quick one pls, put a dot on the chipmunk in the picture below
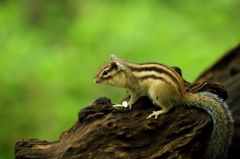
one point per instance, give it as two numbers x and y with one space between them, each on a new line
165 87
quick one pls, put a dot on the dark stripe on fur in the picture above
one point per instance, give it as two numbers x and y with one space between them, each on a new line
154 77
165 66
151 76
156 69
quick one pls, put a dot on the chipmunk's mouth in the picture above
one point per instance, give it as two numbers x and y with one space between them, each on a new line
97 81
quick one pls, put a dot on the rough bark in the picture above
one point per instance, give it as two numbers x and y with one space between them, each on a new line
104 132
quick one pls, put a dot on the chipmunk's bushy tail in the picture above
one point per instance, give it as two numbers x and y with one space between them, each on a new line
222 132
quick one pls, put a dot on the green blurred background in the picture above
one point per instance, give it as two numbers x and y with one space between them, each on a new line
50 52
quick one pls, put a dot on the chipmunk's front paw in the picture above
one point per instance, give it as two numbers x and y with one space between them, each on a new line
124 104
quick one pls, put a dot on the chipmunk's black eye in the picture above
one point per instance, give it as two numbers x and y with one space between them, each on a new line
105 72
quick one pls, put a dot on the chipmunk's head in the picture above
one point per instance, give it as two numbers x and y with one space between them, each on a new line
111 73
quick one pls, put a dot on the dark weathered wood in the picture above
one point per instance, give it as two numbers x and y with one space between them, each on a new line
103 132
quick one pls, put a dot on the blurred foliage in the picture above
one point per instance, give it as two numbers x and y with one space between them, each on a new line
51 50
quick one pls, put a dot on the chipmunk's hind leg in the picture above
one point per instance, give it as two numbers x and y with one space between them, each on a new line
156 113
160 99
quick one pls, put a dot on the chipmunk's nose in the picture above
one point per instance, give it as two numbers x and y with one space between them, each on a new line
96 81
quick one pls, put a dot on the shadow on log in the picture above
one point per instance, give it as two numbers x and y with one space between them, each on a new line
104 132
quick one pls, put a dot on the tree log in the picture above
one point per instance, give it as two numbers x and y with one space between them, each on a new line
104 132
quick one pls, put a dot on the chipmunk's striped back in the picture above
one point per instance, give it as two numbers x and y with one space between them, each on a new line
153 70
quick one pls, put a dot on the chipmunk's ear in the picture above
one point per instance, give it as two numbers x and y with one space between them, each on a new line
116 65
112 57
